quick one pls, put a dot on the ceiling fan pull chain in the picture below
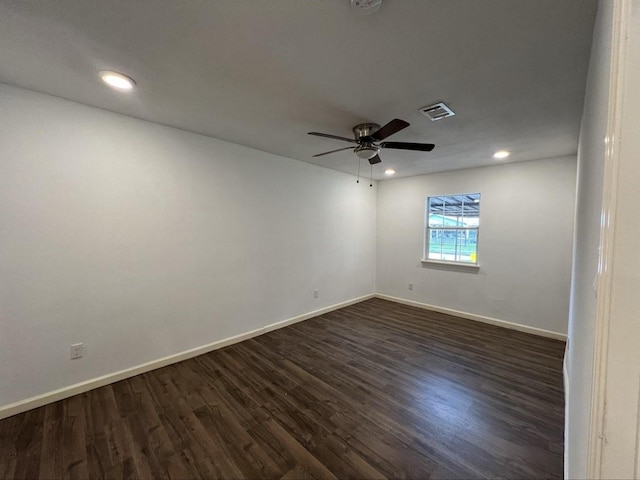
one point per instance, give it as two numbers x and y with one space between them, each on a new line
371 177
359 159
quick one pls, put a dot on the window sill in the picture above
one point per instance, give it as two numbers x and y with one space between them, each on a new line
453 265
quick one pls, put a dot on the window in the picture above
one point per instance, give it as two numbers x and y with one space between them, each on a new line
452 224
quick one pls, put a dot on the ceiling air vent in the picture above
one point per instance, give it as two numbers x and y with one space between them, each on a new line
437 112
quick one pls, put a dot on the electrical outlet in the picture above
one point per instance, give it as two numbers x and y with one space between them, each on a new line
315 294
411 286
77 350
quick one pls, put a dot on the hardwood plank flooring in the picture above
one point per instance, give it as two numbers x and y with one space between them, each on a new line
374 390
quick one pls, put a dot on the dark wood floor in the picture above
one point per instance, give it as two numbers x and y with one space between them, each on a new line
375 390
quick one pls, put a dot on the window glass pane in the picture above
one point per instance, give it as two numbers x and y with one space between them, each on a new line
453 245
436 210
472 209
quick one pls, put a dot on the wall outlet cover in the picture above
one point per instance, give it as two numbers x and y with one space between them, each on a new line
77 350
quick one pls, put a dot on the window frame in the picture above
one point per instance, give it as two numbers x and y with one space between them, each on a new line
428 229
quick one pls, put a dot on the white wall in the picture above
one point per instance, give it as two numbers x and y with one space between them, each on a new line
582 319
525 243
143 241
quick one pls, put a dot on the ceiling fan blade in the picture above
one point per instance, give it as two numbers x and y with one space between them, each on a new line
420 147
374 160
334 151
394 126
318 134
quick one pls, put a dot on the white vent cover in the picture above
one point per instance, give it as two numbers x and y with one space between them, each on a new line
437 111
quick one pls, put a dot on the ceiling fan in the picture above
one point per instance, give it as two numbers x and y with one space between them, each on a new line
369 136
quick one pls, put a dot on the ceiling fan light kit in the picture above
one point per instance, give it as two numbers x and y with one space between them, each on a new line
366 152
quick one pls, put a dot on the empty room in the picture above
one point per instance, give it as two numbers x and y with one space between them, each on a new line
319 239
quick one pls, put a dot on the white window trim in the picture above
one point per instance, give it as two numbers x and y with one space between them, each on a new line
427 240
471 266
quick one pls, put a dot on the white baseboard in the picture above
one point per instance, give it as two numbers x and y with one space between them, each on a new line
479 318
71 390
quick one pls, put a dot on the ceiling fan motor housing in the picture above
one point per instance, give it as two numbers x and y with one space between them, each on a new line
365 130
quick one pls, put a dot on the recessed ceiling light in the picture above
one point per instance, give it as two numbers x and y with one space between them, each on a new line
501 154
117 80
389 171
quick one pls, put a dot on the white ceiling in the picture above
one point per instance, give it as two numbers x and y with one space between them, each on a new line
262 73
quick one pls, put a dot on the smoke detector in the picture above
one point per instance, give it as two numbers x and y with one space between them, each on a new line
437 111
365 7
